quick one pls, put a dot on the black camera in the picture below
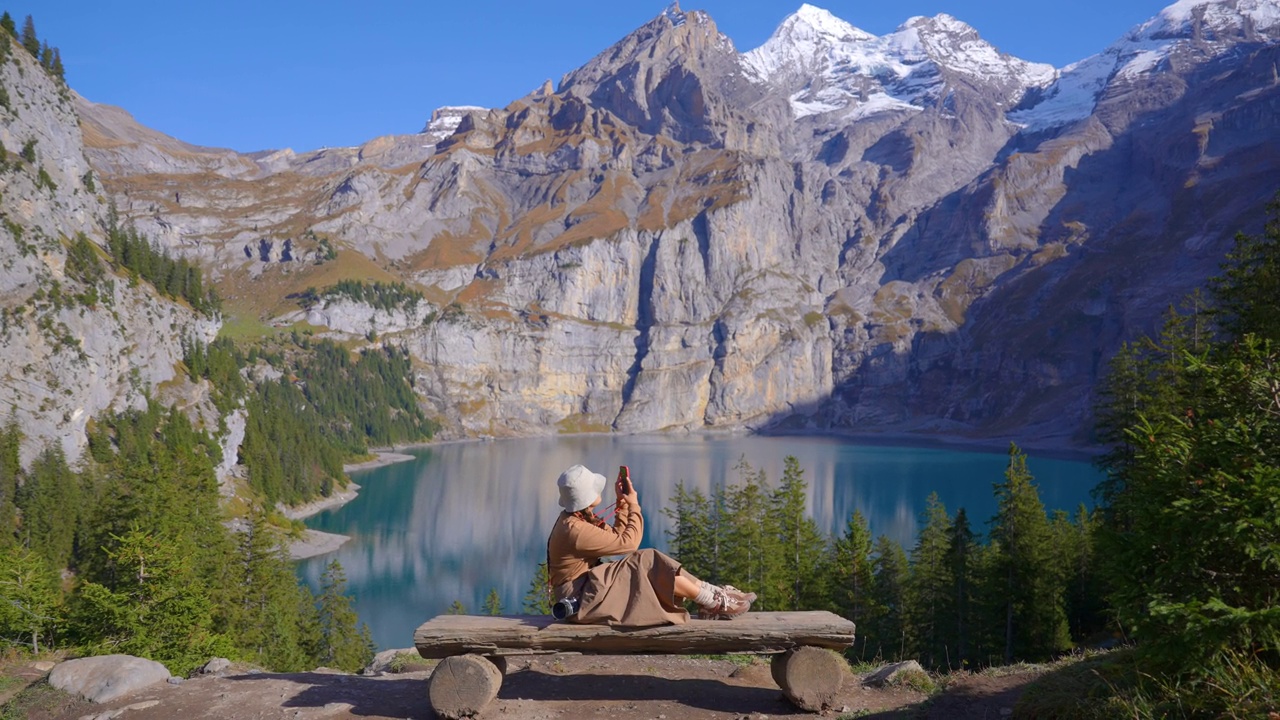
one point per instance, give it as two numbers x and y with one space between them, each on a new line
564 609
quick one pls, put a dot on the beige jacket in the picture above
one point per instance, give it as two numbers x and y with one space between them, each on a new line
575 546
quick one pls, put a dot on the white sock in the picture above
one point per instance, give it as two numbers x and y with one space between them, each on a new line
707 595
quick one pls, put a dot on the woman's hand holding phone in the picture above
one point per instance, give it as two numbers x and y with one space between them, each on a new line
626 490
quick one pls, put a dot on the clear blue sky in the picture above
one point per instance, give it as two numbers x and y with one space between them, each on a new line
252 75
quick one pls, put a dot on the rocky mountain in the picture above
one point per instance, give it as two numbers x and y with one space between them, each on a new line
76 338
912 232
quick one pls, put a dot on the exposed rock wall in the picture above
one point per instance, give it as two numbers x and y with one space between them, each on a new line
70 347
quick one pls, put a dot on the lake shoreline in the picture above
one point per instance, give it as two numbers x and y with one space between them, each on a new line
314 543
1056 448
383 457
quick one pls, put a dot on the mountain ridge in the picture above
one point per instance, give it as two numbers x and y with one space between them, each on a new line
664 242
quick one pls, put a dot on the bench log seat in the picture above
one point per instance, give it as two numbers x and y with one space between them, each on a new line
473 650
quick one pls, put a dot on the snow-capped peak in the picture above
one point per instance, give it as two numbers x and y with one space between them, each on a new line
1204 27
1180 19
445 120
822 22
804 42
674 14
839 66
941 22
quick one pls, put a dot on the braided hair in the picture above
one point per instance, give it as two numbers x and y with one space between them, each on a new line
588 515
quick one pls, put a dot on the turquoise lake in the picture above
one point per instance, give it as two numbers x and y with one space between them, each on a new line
464 518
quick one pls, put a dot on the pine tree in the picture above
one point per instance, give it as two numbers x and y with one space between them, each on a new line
929 589
1244 296
262 617
1186 541
1073 553
1034 620
157 607
10 470
6 22
344 645
694 536
50 501
853 575
537 601
885 626
457 608
493 603
750 547
30 600
29 39
1185 576
800 546
962 564
59 71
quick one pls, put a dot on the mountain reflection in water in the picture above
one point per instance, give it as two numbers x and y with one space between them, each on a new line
465 518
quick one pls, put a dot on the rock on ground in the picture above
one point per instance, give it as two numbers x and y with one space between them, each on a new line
887 674
107 677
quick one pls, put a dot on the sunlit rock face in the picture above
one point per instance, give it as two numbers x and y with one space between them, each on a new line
836 230
72 344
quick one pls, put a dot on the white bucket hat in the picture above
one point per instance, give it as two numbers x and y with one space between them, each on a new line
579 487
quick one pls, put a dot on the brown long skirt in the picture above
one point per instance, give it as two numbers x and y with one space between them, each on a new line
638 590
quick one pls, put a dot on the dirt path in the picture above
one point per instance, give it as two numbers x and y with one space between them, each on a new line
540 688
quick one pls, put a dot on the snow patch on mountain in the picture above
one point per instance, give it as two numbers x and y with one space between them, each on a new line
445 120
674 14
1208 25
833 65
1178 19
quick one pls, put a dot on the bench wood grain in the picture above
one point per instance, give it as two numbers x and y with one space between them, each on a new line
755 632
474 649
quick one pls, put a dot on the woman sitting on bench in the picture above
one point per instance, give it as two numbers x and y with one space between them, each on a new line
642 589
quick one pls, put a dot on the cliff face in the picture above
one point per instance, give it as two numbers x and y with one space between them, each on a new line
910 232
73 341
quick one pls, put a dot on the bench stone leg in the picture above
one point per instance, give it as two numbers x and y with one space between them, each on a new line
810 677
462 685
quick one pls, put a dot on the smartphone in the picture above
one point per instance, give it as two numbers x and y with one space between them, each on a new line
624 479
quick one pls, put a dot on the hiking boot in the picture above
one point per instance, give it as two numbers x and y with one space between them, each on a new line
729 602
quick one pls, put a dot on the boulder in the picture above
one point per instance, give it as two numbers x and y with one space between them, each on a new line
382 661
215 666
889 673
106 677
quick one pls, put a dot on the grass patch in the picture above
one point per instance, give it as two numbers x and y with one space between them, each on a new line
245 327
918 680
1080 687
739 659
1123 684
409 662
580 423
39 698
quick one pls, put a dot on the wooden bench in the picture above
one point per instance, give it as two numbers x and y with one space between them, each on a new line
473 650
